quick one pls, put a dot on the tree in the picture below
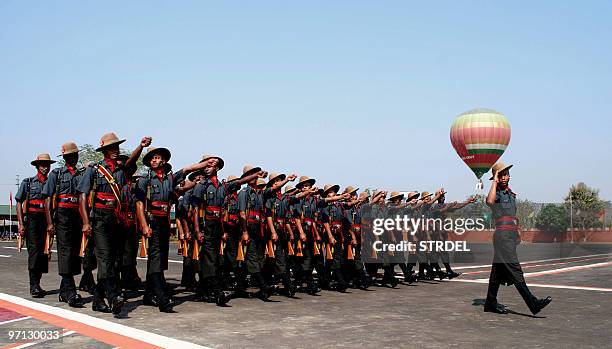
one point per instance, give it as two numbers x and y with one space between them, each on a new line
585 206
526 212
88 154
553 218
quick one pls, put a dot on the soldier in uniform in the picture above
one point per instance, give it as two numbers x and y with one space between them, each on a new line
251 207
506 268
207 201
276 207
63 220
183 214
155 193
233 233
100 190
32 222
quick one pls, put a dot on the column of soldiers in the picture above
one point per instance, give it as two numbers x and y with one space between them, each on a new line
233 233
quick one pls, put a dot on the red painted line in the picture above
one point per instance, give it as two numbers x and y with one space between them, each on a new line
98 334
6 315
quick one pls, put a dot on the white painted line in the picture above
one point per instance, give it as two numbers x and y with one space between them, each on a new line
15 320
144 336
5 256
563 270
169 260
537 261
567 287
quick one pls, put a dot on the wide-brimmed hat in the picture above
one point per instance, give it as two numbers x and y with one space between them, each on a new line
191 177
425 194
499 167
231 178
42 158
330 187
273 176
290 189
220 164
69 148
349 190
396 194
412 195
248 170
364 194
163 152
260 183
109 139
303 180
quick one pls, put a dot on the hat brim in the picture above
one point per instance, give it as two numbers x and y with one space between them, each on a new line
291 191
413 196
70 152
251 171
282 177
502 170
191 177
397 196
334 187
219 165
109 144
165 153
36 162
426 196
312 181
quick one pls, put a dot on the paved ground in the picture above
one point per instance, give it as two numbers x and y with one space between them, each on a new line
433 314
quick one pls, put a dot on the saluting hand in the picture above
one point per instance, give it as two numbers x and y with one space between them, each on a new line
145 141
292 177
262 174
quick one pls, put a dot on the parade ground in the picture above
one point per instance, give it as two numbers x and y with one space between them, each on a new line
425 314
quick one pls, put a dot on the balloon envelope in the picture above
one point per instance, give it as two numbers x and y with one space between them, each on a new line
480 137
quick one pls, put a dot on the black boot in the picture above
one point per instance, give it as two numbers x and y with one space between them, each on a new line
535 305
115 299
450 272
340 282
35 290
98 300
265 291
491 305
388 277
68 292
289 288
408 277
164 303
363 281
87 283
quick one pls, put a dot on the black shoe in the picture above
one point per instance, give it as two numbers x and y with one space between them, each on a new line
312 288
289 291
541 304
37 292
264 292
75 301
241 293
452 275
442 275
222 298
496 308
166 305
150 300
100 306
390 281
117 304
421 277
87 285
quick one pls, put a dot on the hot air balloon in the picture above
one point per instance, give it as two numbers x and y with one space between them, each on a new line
480 137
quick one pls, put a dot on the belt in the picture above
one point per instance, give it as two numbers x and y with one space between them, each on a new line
232 219
159 208
356 227
336 224
308 221
280 222
292 221
254 217
105 201
67 201
36 205
506 221
212 213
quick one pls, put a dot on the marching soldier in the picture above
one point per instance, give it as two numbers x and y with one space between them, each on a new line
155 193
184 214
506 268
250 205
231 228
207 201
32 222
305 215
100 208
63 220
276 212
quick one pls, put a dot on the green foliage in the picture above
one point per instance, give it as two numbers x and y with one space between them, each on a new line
585 205
88 154
553 218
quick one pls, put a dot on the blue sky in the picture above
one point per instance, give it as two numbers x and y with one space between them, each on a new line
359 93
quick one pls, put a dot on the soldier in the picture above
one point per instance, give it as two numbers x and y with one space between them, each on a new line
506 268
100 191
305 215
32 222
155 193
250 205
334 222
63 220
409 212
231 228
424 208
183 215
276 211
207 201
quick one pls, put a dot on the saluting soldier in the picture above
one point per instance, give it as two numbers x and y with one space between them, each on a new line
32 222
155 193
506 268
63 220
100 209
305 215
233 233
207 201
183 214
251 207
276 212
